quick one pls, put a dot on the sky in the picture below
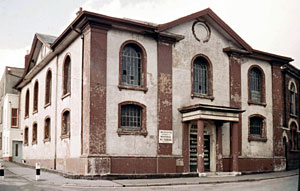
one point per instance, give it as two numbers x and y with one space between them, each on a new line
268 25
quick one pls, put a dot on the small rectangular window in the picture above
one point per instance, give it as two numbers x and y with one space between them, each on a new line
14 117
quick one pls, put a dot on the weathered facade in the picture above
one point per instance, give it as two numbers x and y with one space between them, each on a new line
290 128
117 96
11 133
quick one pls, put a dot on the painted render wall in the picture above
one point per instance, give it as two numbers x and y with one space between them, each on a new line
130 145
256 149
183 53
10 134
66 148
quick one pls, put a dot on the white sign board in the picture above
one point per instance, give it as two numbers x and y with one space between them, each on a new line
165 136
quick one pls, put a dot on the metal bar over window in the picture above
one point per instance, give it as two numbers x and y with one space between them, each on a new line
200 76
131 65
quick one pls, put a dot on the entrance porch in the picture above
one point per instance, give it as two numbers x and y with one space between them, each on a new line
202 138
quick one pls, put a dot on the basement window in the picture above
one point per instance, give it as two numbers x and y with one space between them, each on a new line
132 119
257 128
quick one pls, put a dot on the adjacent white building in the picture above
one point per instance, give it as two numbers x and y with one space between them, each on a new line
11 134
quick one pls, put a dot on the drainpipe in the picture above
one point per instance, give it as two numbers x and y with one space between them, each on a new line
82 67
55 134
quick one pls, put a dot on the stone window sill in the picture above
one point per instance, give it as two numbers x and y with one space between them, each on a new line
34 112
295 151
26 117
259 139
67 136
257 103
202 96
132 132
144 89
25 144
65 95
34 142
47 104
47 140
293 115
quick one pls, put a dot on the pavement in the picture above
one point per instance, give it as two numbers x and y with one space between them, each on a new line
54 179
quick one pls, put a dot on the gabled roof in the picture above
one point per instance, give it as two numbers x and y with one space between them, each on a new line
209 13
46 39
157 31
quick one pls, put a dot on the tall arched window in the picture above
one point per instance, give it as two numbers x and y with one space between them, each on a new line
65 124
48 87
292 99
67 75
201 76
47 129
35 96
27 103
132 65
256 85
34 133
26 136
294 136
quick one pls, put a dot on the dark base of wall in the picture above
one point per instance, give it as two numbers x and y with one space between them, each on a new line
112 165
139 167
293 160
7 159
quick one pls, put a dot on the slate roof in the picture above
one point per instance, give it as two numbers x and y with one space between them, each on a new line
48 39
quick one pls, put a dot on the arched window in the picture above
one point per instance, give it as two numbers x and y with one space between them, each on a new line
26 136
47 129
292 99
257 128
48 87
131 65
256 85
27 103
34 133
132 118
200 76
35 96
294 136
65 124
67 75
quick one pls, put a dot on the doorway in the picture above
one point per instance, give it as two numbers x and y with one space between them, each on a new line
17 151
193 150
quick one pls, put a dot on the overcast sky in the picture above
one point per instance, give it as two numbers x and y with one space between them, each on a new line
268 25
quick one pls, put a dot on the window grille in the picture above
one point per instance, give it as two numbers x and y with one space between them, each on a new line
255 85
200 76
131 117
131 65
256 125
